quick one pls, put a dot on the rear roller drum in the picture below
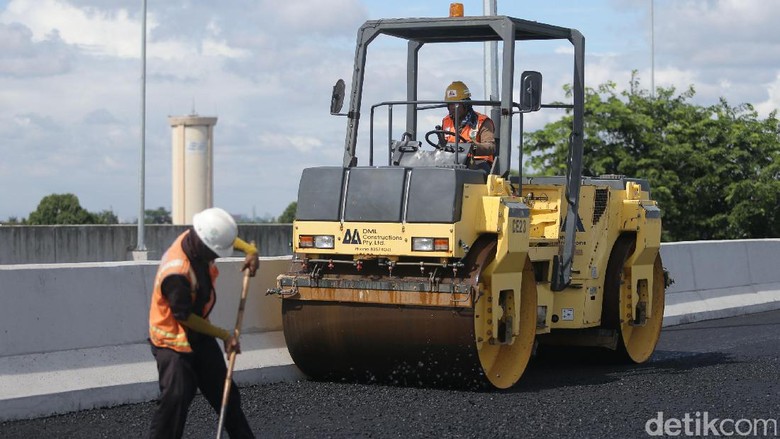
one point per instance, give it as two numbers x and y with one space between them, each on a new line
636 340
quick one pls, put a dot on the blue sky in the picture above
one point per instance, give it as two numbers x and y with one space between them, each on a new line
70 90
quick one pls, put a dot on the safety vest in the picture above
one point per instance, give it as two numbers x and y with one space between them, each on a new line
164 330
467 132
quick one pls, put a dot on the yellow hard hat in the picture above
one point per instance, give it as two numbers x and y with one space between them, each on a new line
457 91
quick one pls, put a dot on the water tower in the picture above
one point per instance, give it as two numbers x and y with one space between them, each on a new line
193 165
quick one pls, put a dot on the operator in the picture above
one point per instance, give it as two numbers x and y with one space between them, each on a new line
183 341
473 127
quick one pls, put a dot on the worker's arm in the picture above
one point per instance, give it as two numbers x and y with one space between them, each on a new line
251 262
177 289
199 324
244 247
487 139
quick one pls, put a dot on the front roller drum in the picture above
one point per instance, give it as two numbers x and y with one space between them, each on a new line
385 343
504 355
439 346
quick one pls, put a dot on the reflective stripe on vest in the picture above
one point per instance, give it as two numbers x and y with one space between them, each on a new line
164 329
170 339
467 132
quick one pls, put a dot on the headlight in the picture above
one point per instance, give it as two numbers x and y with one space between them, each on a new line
430 244
422 244
323 241
315 241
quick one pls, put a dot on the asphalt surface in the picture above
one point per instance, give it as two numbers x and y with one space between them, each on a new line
725 369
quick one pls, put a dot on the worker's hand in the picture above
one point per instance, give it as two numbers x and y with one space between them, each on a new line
442 140
251 263
232 344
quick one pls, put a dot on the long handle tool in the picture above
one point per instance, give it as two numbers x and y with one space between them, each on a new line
232 360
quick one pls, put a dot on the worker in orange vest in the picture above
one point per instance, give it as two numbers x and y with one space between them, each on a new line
473 127
183 341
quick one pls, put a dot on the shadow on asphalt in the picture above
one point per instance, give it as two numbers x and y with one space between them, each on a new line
556 367
563 367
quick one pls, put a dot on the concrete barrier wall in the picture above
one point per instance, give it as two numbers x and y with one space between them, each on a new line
714 279
97 243
49 308
72 306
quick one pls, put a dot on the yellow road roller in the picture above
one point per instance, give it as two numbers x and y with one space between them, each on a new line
424 268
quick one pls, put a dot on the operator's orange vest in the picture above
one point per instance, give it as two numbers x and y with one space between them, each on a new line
164 330
467 132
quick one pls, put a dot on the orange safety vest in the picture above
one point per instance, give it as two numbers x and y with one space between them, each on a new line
164 330
467 132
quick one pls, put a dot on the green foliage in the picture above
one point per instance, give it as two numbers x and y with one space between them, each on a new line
157 216
106 217
288 216
715 171
61 209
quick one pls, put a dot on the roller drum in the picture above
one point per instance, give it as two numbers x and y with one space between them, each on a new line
384 343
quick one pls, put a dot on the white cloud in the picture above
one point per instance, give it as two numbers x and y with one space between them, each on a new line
565 50
329 17
220 49
773 101
21 57
110 33
721 40
680 79
285 142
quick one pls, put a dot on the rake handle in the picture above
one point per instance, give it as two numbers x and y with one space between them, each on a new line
232 358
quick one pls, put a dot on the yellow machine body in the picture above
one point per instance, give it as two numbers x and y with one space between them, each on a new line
524 249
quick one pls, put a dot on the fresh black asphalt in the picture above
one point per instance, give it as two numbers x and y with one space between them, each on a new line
727 368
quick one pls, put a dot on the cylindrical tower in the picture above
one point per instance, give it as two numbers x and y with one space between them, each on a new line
193 159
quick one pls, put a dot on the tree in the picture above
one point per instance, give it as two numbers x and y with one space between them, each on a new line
714 170
60 209
288 216
106 217
157 216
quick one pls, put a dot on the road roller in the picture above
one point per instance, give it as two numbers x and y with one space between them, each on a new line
416 267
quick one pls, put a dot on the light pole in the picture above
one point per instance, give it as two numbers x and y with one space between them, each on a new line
141 246
491 56
652 48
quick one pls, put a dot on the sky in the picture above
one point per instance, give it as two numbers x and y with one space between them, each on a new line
70 83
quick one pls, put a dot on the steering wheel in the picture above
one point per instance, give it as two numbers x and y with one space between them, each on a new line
442 133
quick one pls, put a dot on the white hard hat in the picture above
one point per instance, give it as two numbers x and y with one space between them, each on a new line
217 229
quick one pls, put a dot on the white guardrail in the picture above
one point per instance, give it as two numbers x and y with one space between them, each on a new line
72 336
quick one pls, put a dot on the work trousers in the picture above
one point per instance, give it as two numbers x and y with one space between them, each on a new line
180 375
